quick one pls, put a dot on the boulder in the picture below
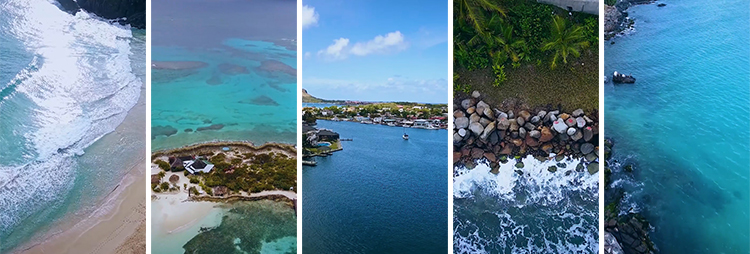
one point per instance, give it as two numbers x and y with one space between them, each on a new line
520 121
522 133
519 165
547 148
471 110
476 128
467 103
482 104
530 141
513 125
593 168
546 134
511 115
475 94
487 112
577 112
485 121
458 113
461 122
457 137
590 157
587 148
490 157
517 142
577 136
529 126
488 130
502 124
535 119
563 116
501 114
535 134
580 122
456 157
587 134
571 131
552 169
525 114
570 122
462 132
474 118
559 126
541 114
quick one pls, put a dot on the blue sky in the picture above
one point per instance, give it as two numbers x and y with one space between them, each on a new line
376 50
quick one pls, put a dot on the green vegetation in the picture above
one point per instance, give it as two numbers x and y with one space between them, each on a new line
261 172
385 109
610 2
163 165
553 53
566 40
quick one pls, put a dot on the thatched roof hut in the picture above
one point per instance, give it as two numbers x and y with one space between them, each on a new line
174 178
155 179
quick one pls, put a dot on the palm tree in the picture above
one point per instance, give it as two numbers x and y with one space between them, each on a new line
497 37
472 11
565 40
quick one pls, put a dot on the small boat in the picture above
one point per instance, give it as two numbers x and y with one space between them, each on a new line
405 136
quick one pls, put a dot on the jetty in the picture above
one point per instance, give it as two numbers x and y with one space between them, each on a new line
309 163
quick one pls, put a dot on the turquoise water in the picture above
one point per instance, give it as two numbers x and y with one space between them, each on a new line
539 212
230 95
65 83
381 194
684 123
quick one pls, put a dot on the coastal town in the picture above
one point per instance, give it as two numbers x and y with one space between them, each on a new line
323 142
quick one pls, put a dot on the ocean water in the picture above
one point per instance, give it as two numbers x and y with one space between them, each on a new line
684 123
263 226
229 95
539 212
318 105
65 83
381 194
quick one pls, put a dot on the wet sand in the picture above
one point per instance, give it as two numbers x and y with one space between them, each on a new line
118 224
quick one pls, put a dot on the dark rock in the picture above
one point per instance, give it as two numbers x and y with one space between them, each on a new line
261 101
535 119
552 169
661 5
188 130
520 121
622 78
162 131
490 157
211 127
535 134
232 69
593 168
587 148
628 168
132 12
274 66
587 134
519 165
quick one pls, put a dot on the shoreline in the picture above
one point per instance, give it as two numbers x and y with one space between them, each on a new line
286 149
118 221
482 131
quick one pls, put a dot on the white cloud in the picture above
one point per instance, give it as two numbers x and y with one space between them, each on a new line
391 42
307 55
339 50
309 17
335 51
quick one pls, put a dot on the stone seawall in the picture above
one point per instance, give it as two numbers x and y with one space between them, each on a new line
483 131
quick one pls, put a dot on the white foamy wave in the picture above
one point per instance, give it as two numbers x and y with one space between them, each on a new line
81 87
535 212
541 184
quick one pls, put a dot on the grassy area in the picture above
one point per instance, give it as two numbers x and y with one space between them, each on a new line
570 86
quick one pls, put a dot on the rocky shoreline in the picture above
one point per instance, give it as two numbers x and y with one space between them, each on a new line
125 12
623 233
210 147
482 131
616 16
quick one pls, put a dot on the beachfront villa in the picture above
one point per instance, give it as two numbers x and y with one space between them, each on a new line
191 164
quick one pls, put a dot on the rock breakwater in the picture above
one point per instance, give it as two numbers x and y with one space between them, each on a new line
483 131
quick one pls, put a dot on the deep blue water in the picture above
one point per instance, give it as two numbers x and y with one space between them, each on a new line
381 194
241 102
66 82
684 123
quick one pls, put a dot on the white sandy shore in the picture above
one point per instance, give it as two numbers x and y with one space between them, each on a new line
118 224
175 220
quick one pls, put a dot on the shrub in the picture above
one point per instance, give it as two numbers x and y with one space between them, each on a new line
164 186
500 77
178 169
162 165
194 180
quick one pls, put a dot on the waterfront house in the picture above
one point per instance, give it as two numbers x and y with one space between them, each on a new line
421 123
198 166
327 135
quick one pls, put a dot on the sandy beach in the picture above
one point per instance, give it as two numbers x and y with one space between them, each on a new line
118 224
